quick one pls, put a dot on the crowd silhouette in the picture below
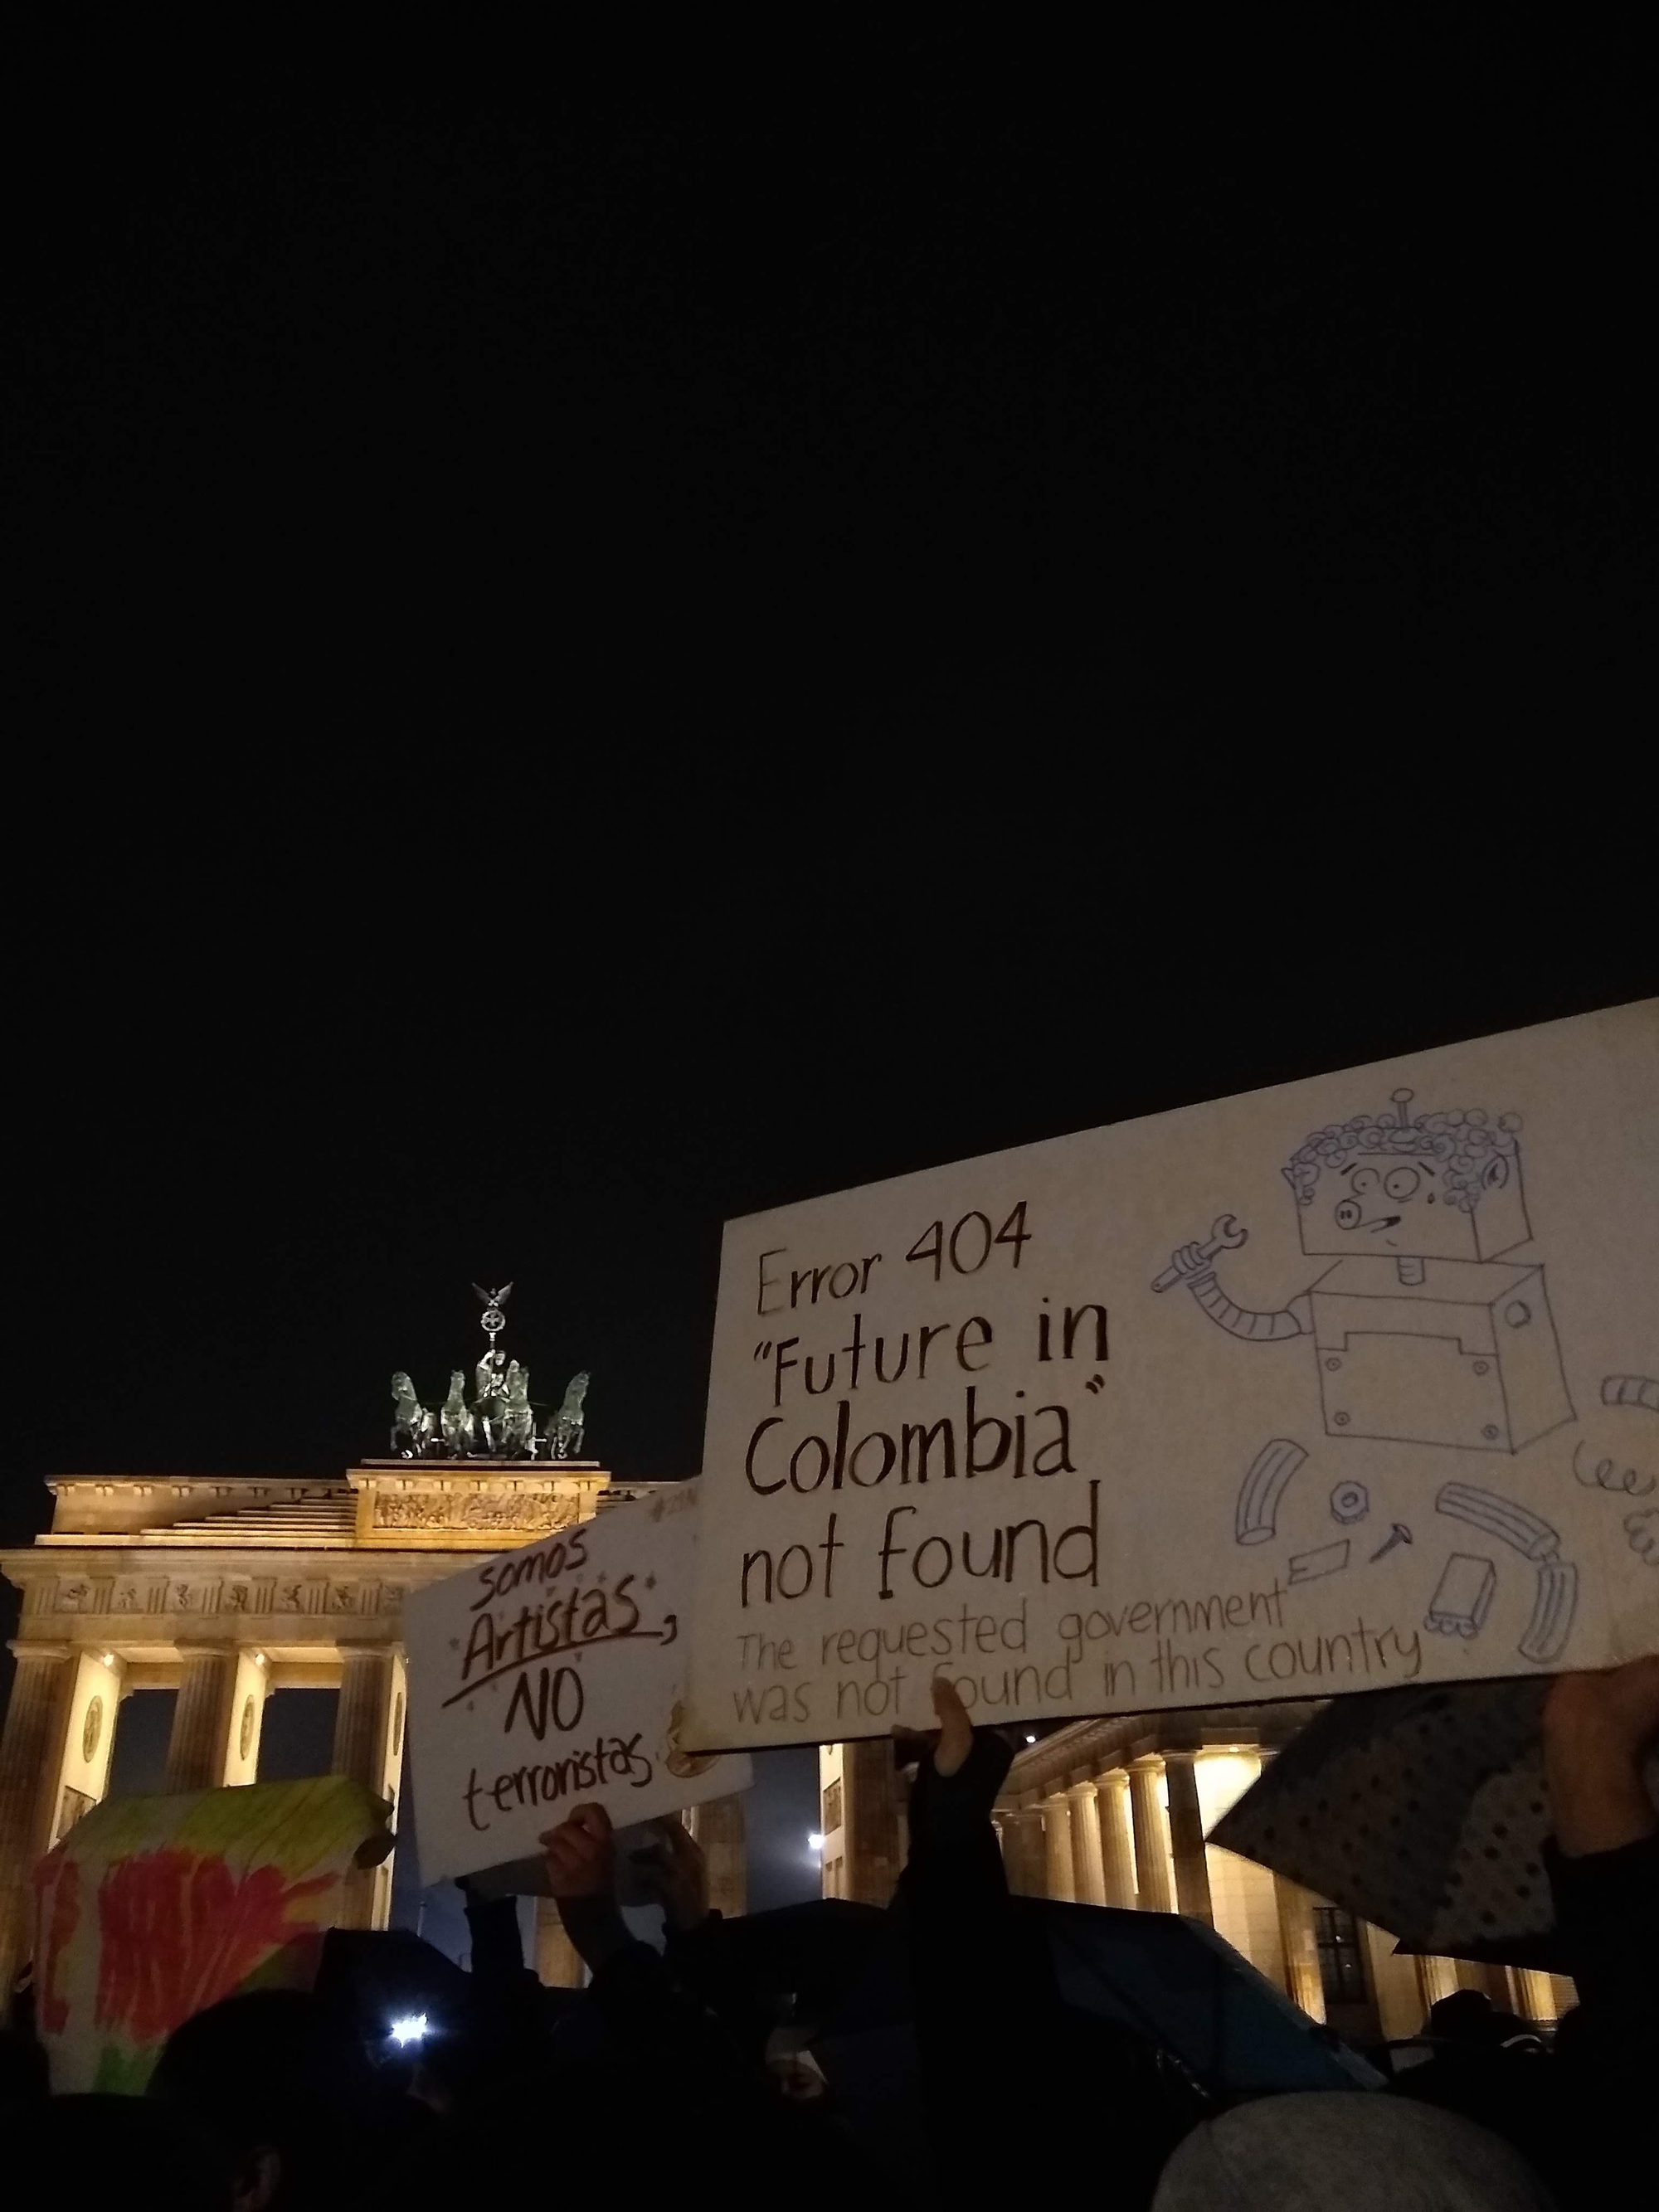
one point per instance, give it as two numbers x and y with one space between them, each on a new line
835 2054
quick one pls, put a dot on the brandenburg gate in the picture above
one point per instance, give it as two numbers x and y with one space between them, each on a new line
225 1591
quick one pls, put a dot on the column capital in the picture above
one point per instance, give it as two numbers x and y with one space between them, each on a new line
1080 1791
23 1648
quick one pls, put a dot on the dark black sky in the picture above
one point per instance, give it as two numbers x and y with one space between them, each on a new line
456 388
613 634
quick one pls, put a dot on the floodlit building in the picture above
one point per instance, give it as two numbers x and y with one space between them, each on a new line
1115 1812
225 1592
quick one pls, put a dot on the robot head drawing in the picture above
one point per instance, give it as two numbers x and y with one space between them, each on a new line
1442 1186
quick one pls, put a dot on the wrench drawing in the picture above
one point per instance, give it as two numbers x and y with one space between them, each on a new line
1225 1236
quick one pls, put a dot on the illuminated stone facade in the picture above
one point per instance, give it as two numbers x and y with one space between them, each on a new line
1115 1812
225 1590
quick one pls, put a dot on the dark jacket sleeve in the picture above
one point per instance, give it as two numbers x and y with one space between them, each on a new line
1606 1911
707 1964
1607 2058
645 2013
493 1923
512 1996
984 1995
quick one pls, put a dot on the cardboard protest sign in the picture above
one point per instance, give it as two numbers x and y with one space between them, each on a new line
153 1908
1330 1387
550 1676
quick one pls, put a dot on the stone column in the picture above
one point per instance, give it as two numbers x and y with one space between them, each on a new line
1480 1974
30 1755
248 1695
1303 1981
1437 1977
1393 1978
363 1721
1155 1891
201 1722
1117 1843
361 1718
1057 1846
557 1965
1192 1870
871 1793
1088 1864
717 1828
1022 1850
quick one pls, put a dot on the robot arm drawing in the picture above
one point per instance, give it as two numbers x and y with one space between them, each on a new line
1193 1264
1293 1320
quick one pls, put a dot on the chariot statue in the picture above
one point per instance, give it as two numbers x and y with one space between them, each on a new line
502 1421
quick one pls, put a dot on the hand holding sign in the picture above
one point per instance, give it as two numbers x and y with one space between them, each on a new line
1596 1729
580 1862
955 1730
674 1874
552 1678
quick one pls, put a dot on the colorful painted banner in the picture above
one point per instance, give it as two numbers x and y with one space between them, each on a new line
153 1908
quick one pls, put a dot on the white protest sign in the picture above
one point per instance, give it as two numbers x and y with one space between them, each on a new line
549 1676
1342 1384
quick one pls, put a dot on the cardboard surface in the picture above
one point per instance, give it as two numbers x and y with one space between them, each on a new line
553 1676
1337 1386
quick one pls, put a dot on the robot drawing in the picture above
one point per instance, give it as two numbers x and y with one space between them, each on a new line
1422 1332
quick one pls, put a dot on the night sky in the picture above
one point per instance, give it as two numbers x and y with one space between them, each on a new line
616 634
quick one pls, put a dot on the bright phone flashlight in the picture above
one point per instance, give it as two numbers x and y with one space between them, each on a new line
409 2029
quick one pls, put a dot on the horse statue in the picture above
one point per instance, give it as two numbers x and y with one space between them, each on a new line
460 1430
411 1424
565 1438
518 1422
